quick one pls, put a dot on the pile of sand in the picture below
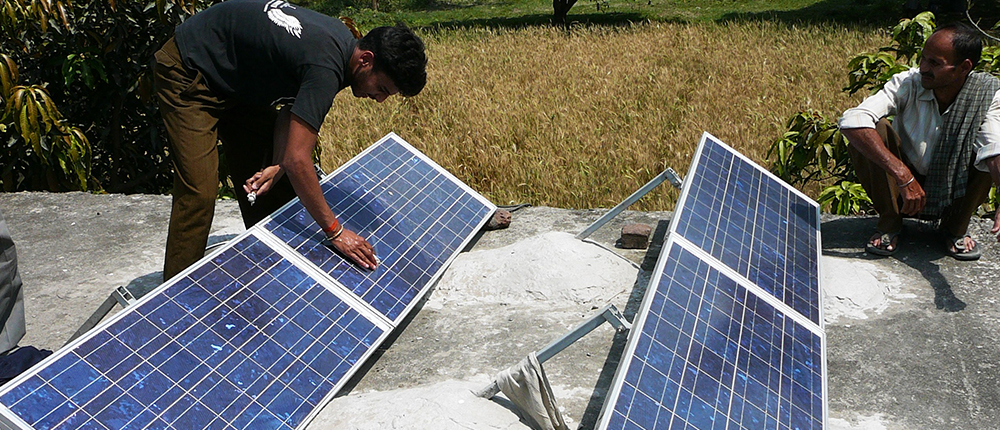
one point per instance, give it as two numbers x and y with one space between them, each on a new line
854 289
552 268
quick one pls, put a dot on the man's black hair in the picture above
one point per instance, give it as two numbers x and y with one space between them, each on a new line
965 41
400 55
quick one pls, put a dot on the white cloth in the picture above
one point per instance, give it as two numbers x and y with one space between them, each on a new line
918 120
528 388
11 293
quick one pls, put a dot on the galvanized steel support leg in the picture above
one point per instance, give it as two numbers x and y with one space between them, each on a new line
668 174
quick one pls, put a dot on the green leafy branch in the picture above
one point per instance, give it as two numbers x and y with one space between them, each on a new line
62 149
813 149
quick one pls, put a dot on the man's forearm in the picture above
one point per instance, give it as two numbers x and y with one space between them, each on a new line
295 147
868 142
993 164
306 186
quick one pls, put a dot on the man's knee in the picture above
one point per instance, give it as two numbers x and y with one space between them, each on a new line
194 202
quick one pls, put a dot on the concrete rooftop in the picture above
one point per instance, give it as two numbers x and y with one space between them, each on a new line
894 360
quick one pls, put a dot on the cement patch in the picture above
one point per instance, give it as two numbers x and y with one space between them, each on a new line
447 405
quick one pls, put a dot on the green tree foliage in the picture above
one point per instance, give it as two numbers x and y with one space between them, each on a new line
92 59
811 149
41 146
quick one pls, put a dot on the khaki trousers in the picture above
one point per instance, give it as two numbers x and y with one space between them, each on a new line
884 191
196 119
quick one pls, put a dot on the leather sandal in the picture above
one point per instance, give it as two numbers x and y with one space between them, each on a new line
955 247
885 246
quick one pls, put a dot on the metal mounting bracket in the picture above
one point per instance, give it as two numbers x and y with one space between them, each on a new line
609 313
667 175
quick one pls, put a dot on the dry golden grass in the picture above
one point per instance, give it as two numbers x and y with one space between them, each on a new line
582 119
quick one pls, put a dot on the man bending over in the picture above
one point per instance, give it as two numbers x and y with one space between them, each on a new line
221 78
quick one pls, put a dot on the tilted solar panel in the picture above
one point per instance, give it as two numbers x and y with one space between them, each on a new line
248 340
728 335
258 335
754 223
708 354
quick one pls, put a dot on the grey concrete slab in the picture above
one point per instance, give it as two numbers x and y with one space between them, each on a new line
903 364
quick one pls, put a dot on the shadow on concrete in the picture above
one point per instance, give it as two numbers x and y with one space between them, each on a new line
144 284
604 380
920 245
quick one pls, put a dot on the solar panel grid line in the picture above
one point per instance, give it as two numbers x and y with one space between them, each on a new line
425 233
694 388
729 183
378 275
342 292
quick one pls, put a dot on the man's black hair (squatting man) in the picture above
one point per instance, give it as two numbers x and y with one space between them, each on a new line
400 55
966 42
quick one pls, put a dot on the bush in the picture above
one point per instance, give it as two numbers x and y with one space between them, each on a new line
91 58
814 150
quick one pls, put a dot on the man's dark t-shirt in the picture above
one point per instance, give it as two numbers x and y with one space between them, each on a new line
263 52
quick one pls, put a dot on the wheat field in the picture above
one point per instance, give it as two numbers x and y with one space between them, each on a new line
582 118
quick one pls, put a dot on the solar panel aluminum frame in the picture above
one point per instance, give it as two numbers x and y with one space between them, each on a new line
674 238
637 326
10 420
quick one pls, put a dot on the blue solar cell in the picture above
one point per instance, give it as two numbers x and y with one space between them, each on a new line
710 354
205 360
415 217
755 224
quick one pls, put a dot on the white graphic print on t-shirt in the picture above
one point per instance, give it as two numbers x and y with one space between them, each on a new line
282 19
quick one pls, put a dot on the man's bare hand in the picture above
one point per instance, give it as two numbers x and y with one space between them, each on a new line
262 181
355 248
914 198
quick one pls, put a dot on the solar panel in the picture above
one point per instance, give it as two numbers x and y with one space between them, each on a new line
261 333
709 354
754 223
717 344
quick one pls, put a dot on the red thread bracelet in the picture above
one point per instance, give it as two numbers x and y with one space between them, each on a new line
332 227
